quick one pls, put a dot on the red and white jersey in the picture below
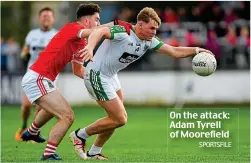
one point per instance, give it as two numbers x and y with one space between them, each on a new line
60 51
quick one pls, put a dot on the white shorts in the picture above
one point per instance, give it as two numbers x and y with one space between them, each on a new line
35 85
100 86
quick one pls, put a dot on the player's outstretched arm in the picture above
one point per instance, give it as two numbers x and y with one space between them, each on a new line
180 52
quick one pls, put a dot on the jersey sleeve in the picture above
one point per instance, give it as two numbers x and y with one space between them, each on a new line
156 43
127 25
28 39
118 32
74 31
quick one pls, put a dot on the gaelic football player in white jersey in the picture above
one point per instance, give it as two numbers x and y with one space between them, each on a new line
35 42
121 48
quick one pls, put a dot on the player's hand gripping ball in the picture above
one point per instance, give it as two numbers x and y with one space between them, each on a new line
204 64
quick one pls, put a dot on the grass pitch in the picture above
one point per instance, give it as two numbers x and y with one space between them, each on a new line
145 138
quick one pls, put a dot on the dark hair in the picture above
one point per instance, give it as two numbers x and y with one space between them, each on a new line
87 9
46 9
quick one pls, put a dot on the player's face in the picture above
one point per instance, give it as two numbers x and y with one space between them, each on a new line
149 29
46 19
94 20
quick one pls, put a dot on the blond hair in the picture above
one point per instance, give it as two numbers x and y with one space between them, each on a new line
148 13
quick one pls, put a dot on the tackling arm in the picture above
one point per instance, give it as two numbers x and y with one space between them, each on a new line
94 38
86 32
77 66
77 69
97 35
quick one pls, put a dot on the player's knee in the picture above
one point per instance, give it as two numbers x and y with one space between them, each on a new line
121 121
26 106
69 117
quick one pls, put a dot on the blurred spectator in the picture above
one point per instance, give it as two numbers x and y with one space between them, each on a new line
231 36
191 39
230 16
229 48
213 45
182 14
126 14
3 55
173 41
159 12
244 10
195 15
221 29
170 15
217 14
244 39
219 25
205 9
243 43
13 55
231 4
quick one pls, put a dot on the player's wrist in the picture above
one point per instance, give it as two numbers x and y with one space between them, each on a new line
90 46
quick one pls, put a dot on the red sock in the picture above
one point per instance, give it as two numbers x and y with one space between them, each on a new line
50 149
33 129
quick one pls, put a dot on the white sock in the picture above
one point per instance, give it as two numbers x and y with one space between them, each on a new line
95 150
82 133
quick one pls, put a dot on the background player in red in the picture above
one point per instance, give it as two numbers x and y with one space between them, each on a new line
38 82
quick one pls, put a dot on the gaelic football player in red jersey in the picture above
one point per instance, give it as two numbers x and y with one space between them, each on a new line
38 82
35 41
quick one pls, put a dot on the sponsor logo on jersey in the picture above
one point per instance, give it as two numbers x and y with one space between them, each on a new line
38 48
128 58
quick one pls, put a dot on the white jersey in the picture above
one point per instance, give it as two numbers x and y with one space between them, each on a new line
37 40
123 49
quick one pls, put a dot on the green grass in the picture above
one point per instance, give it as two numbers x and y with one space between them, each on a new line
145 138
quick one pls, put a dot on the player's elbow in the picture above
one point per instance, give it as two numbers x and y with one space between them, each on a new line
75 72
78 73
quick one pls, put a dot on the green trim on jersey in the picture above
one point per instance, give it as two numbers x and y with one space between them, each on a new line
157 38
158 46
97 86
117 29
